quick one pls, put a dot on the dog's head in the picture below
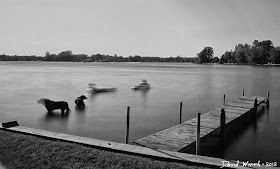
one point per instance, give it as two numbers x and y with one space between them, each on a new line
42 101
91 85
83 97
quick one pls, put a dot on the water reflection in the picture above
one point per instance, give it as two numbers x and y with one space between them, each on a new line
80 115
267 115
251 122
56 116
217 147
80 109
55 121
144 95
144 92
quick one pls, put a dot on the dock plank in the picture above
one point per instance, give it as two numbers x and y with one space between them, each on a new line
242 105
183 135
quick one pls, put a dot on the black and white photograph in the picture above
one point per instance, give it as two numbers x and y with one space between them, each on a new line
139 84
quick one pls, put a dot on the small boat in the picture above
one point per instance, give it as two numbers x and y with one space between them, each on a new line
93 89
142 86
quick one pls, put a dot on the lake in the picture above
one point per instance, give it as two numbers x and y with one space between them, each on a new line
199 87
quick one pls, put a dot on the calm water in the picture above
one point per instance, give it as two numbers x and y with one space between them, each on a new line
199 87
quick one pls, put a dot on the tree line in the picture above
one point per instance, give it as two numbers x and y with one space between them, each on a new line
68 56
260 52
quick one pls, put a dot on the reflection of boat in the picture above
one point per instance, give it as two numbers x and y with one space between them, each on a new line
93 89
142 86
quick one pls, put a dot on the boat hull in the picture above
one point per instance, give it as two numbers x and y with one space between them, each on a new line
101 90
141 87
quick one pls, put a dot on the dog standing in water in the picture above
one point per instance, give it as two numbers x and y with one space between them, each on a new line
53 105
80 101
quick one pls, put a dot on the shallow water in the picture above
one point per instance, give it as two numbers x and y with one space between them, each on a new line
199 87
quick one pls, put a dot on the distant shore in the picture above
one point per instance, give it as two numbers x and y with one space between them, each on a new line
269 64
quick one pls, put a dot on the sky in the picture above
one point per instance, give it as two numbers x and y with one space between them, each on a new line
160 28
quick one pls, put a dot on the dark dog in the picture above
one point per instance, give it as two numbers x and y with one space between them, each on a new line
52 105
80 101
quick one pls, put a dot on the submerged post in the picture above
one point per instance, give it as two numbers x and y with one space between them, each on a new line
243 92
180 112
198 134
127 126
222 124
267 99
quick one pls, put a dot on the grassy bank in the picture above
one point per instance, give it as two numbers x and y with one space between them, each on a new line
25 151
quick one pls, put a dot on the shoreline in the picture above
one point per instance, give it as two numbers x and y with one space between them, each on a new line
21 150
245 64
34 143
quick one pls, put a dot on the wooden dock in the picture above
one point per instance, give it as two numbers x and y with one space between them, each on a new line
182 137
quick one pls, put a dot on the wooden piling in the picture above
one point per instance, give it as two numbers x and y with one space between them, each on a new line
127 126
180 112
222 124
198 135
255 105
224 99
243 92
267 99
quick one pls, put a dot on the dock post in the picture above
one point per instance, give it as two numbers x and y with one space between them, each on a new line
255 105
224 99
243 92
127 126
180 112
267 99
198 135
222 124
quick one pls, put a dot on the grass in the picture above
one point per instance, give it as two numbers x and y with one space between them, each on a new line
25 151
